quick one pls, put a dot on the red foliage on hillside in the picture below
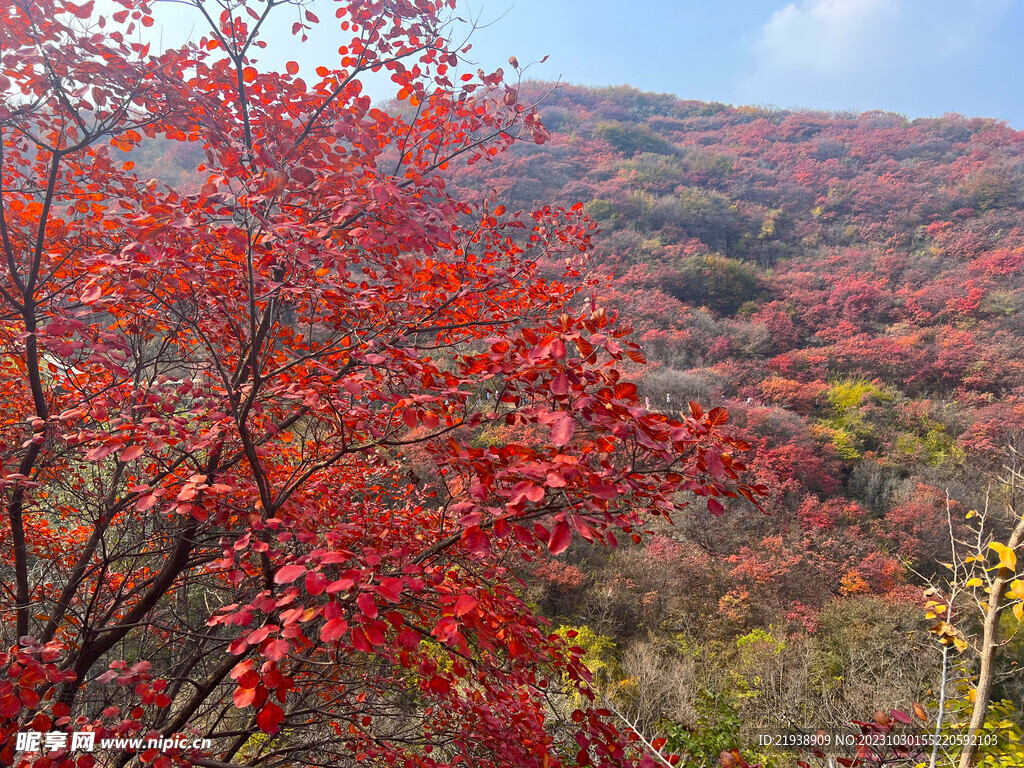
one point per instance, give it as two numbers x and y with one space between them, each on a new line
850 287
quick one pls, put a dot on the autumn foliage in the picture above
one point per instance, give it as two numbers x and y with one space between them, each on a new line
251 490
849 287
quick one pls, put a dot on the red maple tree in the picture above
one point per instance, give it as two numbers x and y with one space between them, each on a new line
272 450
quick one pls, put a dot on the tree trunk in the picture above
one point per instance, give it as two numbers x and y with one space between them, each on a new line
989 643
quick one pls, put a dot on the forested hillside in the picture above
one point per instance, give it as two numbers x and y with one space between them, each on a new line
849 287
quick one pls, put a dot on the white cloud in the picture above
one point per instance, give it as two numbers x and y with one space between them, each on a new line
863 53
825 36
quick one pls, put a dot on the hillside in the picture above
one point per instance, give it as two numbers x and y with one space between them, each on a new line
849 287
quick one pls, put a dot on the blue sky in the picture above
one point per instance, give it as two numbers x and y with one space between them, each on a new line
917 57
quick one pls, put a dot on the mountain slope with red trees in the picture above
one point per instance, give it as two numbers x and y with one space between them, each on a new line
848 286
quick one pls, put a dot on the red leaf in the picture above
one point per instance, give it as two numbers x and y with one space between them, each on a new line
717 416
360 641
603 490
316 582
714 464
439 685
276 650
100 452
91 293
289 573
476 540
270 717
341 585
560 538
367 605
715 507
333 630
625 391
555 479
257 636
82 11
560 385
390 589
562 430
465 604
131 452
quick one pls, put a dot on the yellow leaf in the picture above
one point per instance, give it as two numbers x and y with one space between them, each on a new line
1018 611
1007 557
971 514
941 629
1017 589
975 582
949 635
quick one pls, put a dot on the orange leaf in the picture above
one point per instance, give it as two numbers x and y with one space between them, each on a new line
243 697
